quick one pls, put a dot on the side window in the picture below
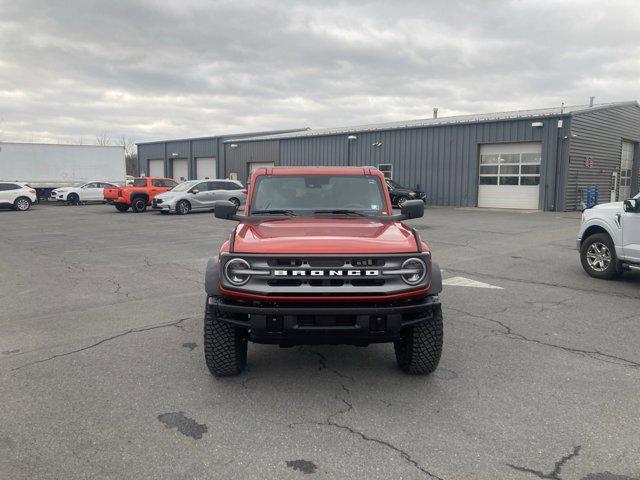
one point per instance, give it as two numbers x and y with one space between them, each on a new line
232 186
157 183
92 185
10 186
170 183
4 186
202 187
217 186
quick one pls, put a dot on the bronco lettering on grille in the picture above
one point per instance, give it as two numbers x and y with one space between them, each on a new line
322 273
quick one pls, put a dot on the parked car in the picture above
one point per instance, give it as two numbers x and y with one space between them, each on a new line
139 195
18 196
199 195
89 192
609 238
319 258
400 194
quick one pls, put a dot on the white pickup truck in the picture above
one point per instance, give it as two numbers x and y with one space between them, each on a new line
609 238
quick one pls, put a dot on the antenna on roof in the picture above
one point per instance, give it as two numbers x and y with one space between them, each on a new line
591 99
435 112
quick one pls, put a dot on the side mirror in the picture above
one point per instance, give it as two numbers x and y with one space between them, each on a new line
412 209
631 205
195 191
225 210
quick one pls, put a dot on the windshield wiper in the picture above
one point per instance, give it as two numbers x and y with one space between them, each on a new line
342 212
290 213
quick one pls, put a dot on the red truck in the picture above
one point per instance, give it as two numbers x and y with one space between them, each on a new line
319 258
139 194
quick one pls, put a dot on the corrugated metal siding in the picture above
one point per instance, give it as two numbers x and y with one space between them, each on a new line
599 135
237 159
442 160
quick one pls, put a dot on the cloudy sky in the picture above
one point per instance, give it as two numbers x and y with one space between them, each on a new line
70 70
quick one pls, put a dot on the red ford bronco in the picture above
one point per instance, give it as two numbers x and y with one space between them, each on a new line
138 195
319 258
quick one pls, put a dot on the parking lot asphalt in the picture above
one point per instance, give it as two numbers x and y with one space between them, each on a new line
102 371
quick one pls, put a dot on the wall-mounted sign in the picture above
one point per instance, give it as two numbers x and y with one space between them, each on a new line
588 162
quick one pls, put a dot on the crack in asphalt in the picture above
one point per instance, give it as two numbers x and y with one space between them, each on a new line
546 284
555 473
176 323
329 422
323 366
509 333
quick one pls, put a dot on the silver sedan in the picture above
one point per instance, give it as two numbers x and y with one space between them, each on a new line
199 195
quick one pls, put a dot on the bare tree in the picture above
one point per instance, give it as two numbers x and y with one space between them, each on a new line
103 139
130 154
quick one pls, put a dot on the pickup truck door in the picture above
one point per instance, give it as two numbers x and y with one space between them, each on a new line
630 222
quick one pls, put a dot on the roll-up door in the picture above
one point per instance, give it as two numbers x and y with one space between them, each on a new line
510 176
205 168
180 169
156 168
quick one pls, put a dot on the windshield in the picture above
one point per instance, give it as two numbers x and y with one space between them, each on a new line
637 196
309 193
183 187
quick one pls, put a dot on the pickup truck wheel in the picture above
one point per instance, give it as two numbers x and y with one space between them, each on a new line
139 205
183 207
598 256
121 207
420 346
225 346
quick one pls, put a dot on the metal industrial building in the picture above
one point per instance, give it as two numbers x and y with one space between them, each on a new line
531 159
189 158
536 159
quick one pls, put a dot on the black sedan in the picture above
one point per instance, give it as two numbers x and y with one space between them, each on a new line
400 194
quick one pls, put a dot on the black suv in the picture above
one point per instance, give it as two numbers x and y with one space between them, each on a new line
400 194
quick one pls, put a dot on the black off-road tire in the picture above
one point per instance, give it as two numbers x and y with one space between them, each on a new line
225 346
183 207
121 207
613 269
420 347
73 199
138 204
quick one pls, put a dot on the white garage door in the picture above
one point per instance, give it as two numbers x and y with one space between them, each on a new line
510 175
253 166
180 169
205 168
156 168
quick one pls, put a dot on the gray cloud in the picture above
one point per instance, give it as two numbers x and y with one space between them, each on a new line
72 69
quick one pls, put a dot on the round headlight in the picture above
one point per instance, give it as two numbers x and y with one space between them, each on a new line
231 271
418 271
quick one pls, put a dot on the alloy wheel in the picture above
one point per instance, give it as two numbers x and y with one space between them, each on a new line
598 256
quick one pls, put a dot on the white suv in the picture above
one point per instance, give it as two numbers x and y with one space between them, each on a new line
18 196
609 238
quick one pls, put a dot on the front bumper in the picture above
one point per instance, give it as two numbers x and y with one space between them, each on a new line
161 206
320 324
